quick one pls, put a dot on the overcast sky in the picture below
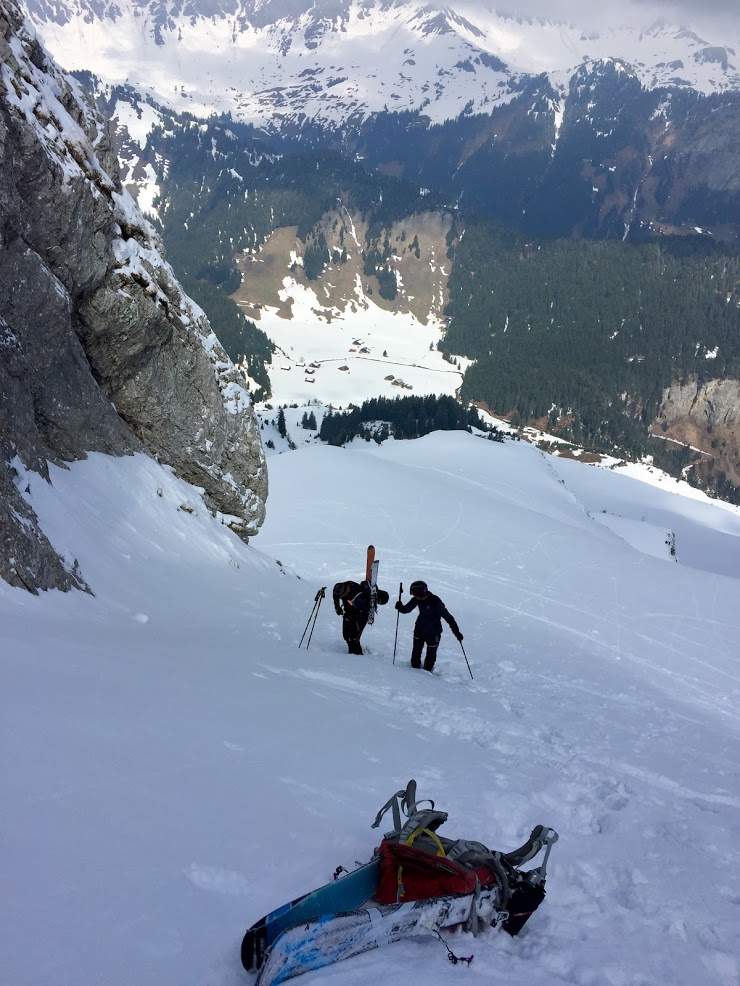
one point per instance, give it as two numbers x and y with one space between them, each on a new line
717 20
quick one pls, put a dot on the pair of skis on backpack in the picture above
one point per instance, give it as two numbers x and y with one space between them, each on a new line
416 884
371 577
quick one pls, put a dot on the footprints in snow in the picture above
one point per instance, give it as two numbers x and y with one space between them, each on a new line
219 881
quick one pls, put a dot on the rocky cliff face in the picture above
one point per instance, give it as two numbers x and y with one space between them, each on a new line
100 350
706 416
708 404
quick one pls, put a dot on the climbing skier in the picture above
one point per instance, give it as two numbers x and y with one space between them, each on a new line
352 602
428 627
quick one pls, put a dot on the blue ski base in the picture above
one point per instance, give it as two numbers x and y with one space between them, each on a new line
345 894
334 937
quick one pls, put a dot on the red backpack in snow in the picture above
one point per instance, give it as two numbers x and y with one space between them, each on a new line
407 873
417 864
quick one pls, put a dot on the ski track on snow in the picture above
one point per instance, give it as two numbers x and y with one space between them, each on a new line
472 728
169 782
450 577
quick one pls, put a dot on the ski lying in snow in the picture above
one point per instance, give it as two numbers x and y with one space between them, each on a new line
345 894
334 937
371 576
475 887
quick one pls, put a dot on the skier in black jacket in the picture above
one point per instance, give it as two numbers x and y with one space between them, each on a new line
352 602
428 627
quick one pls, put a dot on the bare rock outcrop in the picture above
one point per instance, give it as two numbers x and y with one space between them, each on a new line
713 402
705 415
100 349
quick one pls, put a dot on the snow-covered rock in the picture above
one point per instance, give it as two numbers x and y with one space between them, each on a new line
100 349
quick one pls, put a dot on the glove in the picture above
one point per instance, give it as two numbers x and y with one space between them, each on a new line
459 636
337 610
398 604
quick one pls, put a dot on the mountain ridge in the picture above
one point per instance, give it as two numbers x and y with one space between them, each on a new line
274 63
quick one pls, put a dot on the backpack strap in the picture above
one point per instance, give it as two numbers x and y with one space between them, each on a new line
432 835
540 838
465 850
402 801
426 820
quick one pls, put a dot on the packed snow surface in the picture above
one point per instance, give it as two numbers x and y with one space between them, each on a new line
174 765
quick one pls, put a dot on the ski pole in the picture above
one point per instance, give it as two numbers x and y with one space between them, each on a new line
314 613
465 656
398 614
309 616
319 596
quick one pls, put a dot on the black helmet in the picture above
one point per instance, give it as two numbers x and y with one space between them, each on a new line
383 597
418 588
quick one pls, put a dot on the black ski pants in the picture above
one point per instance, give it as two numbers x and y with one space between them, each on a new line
432 643
352 626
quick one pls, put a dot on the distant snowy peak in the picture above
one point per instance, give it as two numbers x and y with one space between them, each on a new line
284 61
660 54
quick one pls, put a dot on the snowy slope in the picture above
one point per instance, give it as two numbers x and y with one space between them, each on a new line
173 765
335 62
